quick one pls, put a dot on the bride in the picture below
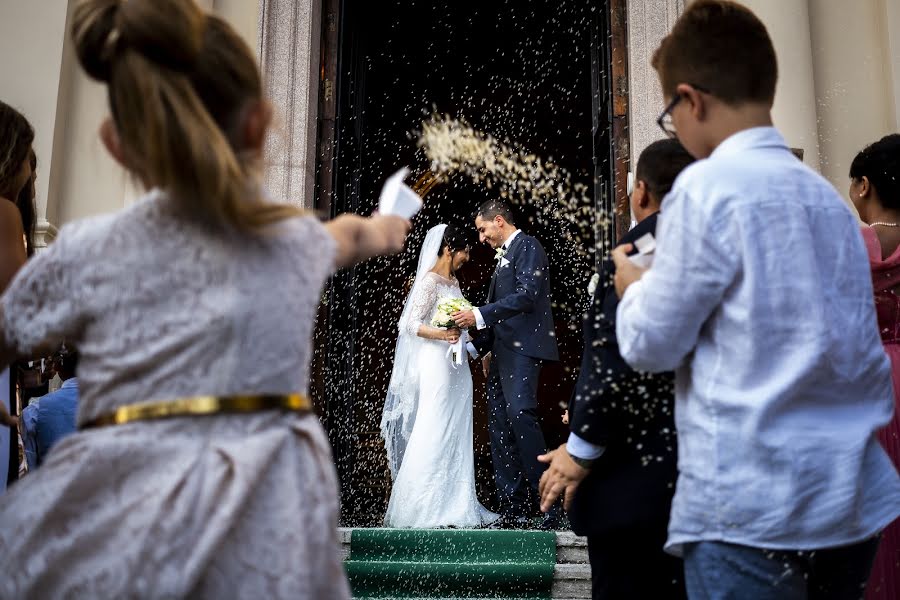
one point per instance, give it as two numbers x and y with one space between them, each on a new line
427 420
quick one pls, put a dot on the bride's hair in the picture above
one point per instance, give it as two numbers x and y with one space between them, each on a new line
455 239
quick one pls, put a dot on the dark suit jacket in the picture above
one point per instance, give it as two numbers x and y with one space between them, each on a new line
518 313
630 414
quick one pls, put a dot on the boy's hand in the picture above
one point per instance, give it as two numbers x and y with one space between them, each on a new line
565 417
626 271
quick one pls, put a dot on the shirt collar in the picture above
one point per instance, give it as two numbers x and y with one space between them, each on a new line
750 139
70 382
510 239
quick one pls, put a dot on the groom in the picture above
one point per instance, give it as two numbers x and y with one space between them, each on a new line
518 335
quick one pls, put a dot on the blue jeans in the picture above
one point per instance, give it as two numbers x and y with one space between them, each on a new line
721 571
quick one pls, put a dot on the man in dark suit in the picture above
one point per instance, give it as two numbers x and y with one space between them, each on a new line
618 468
516 336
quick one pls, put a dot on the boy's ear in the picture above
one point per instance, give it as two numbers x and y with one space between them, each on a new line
641 195
693 99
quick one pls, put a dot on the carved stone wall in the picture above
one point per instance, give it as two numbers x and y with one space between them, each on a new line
289 40
648 22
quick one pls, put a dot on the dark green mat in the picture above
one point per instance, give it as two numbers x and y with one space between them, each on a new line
451 563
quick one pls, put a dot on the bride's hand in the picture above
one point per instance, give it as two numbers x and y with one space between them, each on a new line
451 336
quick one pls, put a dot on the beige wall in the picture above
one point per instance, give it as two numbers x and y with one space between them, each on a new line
853 80
892 30
76 177
31 43
794 112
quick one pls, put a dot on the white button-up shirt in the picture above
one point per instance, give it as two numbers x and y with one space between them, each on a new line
760 299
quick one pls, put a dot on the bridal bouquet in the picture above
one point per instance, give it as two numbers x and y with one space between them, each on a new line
445 308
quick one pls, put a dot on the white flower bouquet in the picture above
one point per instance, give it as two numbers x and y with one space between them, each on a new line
445 308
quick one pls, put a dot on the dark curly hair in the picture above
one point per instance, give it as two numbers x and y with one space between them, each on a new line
17 136
880 164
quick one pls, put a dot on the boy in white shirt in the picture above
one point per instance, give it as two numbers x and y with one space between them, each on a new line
760 299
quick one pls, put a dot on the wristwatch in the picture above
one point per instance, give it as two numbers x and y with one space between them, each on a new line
584 463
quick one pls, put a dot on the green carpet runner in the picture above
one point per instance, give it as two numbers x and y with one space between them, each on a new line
451 563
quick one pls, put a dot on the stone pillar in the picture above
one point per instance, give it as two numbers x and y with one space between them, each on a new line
892 31
853 81
794 112
289 40
648 22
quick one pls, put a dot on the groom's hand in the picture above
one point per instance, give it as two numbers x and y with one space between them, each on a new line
563 475
464 319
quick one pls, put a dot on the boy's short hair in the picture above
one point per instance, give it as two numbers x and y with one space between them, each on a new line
720 46
880 162
660 164
494 208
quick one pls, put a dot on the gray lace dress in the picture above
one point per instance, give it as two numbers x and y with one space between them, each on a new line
233 506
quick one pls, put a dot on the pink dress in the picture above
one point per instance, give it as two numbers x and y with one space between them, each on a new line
885 580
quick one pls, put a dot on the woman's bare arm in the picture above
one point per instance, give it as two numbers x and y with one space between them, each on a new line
359 238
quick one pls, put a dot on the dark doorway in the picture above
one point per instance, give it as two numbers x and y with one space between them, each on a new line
530 71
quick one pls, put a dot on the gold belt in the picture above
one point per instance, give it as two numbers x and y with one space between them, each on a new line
201 405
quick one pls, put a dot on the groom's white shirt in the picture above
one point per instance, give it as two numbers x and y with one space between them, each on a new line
479 320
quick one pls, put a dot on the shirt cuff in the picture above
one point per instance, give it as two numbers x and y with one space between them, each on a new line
580 448
473 352
479 320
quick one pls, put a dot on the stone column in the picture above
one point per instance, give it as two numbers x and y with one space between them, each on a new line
648 22
853 81
289 40
794 112
892 26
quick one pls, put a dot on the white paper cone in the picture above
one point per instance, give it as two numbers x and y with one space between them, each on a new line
397 198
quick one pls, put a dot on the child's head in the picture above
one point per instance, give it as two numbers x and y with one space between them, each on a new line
718 73
657 168
188 113
873 176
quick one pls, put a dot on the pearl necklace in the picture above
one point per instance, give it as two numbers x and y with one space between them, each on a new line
885 224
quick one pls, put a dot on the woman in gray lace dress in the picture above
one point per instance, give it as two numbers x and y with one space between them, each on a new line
198 470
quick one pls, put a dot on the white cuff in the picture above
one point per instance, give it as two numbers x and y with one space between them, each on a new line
479 320
580 448
473 352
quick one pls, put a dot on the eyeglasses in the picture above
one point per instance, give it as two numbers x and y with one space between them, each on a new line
665 119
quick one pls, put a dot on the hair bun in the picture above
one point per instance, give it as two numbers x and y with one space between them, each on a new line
166 32
93 24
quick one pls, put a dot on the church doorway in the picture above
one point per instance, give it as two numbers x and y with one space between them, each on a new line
536 73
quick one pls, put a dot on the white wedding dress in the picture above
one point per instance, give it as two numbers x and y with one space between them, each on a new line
432 461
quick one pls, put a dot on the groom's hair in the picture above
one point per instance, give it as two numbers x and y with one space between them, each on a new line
494 208
456 239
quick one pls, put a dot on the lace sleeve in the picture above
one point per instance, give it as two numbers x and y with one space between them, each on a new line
41 305
422 304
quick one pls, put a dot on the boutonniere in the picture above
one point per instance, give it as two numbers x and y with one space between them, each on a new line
500 253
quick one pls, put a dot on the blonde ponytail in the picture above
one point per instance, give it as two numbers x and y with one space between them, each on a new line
178 80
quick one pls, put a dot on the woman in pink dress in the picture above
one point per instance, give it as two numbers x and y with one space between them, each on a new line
875 191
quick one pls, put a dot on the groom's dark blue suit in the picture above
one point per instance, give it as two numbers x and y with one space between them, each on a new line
519 333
